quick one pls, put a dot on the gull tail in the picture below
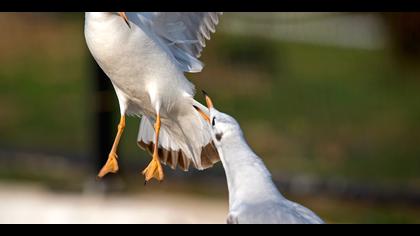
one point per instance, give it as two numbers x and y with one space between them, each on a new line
188 140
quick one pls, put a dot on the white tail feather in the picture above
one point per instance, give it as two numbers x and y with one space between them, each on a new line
185 140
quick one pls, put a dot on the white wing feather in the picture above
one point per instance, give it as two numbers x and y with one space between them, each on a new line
182 34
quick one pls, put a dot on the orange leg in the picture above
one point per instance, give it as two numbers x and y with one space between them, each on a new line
111 165
154 169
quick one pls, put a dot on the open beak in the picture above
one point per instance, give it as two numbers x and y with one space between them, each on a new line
209 105
124 16
208 100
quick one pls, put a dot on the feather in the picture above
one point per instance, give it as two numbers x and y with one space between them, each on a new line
182 34
171 153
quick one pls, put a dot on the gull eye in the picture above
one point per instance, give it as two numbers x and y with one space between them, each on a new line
219 136
213 123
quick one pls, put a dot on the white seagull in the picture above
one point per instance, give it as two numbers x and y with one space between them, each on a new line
253 197
145 54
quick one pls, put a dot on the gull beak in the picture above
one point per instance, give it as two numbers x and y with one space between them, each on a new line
124 16
209 105
208 100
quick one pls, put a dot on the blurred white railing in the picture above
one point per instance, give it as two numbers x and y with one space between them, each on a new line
352 30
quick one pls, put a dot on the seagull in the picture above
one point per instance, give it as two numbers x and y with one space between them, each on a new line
145 55
253 197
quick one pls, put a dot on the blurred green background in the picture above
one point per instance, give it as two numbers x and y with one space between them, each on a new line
331 101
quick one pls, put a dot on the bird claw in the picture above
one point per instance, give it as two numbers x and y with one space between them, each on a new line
153 170
111 166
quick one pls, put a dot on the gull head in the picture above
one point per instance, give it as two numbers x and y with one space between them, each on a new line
222 124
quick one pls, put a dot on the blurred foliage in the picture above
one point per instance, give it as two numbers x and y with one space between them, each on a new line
405 34
329 111
43 87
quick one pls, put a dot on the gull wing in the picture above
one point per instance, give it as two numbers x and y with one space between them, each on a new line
182 34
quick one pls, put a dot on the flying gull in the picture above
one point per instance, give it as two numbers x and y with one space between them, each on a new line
145 54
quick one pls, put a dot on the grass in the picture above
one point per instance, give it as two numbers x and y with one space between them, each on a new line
44 86
332 111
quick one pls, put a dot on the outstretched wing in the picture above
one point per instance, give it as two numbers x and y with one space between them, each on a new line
182 34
